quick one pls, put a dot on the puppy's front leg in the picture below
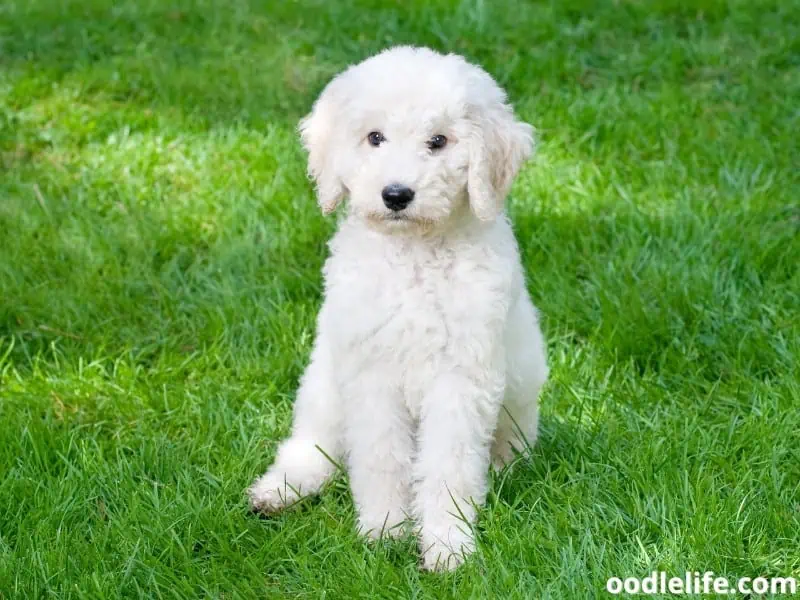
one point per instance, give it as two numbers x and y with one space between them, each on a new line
458 420
380 446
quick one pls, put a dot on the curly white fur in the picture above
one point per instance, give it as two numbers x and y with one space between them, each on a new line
428 358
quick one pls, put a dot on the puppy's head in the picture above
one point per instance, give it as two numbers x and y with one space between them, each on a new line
412 137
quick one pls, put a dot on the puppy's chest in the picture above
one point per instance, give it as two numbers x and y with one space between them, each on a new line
406 309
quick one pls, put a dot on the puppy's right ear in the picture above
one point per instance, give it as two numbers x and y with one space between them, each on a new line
316 131
500 145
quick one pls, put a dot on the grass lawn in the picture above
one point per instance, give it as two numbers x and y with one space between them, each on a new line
160 255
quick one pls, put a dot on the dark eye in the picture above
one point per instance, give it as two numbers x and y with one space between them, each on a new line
375 138
437 142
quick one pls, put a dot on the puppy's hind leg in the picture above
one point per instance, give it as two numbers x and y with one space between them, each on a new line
517 426
304 460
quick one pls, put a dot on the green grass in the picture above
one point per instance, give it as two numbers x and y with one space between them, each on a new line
160 257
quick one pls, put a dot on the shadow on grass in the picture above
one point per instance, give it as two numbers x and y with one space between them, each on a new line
262 63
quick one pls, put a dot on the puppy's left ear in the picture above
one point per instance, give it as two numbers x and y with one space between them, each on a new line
317 133
500 144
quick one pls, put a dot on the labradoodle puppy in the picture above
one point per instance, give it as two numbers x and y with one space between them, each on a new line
428 358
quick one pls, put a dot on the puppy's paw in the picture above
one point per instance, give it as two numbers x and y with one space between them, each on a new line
299 470
440 555
391 525
500 460
271 493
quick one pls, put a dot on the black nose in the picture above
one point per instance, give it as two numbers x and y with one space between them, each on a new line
397 196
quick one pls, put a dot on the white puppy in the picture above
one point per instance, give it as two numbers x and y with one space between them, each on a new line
428 357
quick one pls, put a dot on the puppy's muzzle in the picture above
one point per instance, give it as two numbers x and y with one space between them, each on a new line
397 196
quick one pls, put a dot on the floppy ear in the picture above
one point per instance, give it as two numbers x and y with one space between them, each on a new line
316 132
499 145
